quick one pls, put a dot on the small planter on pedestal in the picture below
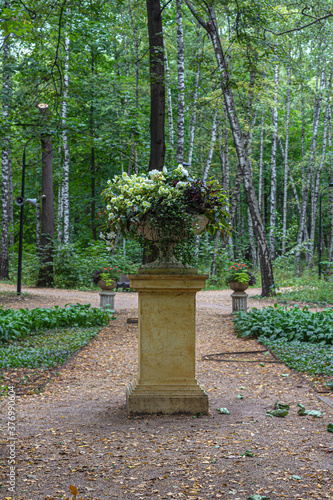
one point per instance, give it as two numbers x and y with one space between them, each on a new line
107 295
239 297
166 380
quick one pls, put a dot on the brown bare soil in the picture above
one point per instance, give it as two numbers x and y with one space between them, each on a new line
76 431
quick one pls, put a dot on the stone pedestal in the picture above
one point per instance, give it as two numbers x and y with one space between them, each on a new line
239 301
107 300
166 380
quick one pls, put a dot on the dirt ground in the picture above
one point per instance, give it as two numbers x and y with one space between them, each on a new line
76 431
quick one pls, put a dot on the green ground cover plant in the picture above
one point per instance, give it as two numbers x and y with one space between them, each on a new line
45 350
300 338
23 323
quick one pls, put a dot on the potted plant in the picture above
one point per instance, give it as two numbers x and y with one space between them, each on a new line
165 207
239 277
106 278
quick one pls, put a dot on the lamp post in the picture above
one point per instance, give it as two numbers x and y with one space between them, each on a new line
20 200
319 242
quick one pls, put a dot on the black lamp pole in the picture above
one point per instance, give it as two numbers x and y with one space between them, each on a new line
19 267
319 242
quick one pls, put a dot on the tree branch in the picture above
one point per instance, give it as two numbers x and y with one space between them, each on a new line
196 15
300 27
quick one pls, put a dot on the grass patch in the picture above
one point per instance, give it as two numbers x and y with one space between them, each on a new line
302 356
320 294
45 350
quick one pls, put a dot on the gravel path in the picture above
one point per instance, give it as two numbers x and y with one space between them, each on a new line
218 300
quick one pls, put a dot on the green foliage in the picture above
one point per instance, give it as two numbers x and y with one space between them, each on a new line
47 349
302 339
302 356
24 322
292 324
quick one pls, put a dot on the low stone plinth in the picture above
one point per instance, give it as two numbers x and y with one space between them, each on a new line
166 380
107 300
239 301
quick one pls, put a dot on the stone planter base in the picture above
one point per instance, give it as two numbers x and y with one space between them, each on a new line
107 300
187 398
166 380
239 301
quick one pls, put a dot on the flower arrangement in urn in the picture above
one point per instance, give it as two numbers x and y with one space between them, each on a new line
106 278
165 207
239 277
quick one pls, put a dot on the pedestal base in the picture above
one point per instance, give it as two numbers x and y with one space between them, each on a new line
166 380
107 300
239 301
143 399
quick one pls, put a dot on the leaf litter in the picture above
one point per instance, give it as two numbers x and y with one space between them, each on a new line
77 432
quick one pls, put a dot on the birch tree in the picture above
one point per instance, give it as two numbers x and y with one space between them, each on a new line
5 163
212 29
181 84
285 178
309 171
65 143
272 225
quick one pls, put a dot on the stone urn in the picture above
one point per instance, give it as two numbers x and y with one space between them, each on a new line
102 284
238 287
150 233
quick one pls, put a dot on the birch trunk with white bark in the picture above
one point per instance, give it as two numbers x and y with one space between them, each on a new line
285 179
261 163
309 172
315 194
265 259
181 84
65 143
272 225
5 161
330 255
211 149
193 120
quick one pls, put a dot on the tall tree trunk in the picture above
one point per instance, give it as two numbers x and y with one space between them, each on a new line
315 194
92 152
272 225
157 98
133 155
45 277
181 84
157 89
265 259
309 172
330 255
285 179
211 149
5 163
169 100
193 120
65 181
261 163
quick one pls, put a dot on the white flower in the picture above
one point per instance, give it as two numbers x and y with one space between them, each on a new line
108 207
124 175
109 182
112 234
180 166
185 172
120 197
180 185
165 170
146 204
153 173
113 199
